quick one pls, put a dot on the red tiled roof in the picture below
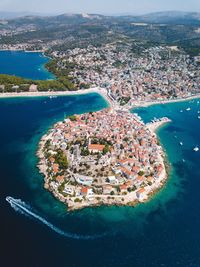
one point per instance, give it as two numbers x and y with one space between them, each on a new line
96 147
123 187
126 171
141 191
84 190
55 168
60 178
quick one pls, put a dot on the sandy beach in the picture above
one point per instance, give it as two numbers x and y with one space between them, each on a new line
49 93
22 50
154 126
100 91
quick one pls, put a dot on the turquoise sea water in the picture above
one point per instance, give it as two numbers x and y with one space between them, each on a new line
24 64
163 232
40 232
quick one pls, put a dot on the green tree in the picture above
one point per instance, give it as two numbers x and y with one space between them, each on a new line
72 118
106 149
61 159
141 173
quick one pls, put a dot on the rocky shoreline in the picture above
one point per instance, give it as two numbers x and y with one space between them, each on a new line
108 200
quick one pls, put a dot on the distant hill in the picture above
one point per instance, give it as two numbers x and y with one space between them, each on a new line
13 15
175 17
79 30
167 17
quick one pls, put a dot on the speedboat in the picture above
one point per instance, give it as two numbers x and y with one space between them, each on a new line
188 109
196 149
181 143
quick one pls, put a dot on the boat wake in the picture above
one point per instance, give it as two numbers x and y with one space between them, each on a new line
23 208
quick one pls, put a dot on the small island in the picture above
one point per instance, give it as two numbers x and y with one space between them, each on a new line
109 157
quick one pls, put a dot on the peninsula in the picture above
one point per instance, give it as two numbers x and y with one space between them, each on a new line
109 157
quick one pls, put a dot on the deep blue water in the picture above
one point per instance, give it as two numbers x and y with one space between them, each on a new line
163 232
24 64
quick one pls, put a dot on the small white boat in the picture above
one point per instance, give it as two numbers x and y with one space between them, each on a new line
198 117
196 149
181 111
188 109
181 143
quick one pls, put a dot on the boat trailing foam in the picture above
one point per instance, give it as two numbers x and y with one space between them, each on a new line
21 207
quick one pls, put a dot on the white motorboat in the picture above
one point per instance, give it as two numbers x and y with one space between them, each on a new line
196 148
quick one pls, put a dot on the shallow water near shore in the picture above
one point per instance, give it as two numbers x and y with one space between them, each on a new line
162 232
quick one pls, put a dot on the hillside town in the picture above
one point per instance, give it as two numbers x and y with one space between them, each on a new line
158 73
107 157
